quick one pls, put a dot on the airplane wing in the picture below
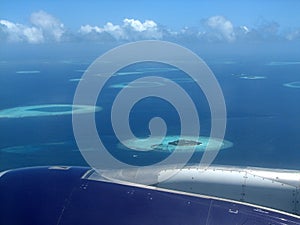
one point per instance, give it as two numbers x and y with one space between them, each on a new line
72 195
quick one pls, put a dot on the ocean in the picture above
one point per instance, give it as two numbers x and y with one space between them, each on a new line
262 96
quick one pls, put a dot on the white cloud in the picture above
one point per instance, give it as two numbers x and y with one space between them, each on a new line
11 30
48 24
131 29
135 29
33 34
221 28
88 29
43 27
137 25
114 30
17 32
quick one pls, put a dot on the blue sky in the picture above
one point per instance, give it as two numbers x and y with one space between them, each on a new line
206 20
170 13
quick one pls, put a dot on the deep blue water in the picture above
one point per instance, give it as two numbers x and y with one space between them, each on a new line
263 115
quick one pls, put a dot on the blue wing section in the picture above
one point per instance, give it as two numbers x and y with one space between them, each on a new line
64 196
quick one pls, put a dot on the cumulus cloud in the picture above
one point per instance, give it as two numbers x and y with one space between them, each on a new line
137 25
131 29
50 26
214 29
114 31
15 32
220 28
43 27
